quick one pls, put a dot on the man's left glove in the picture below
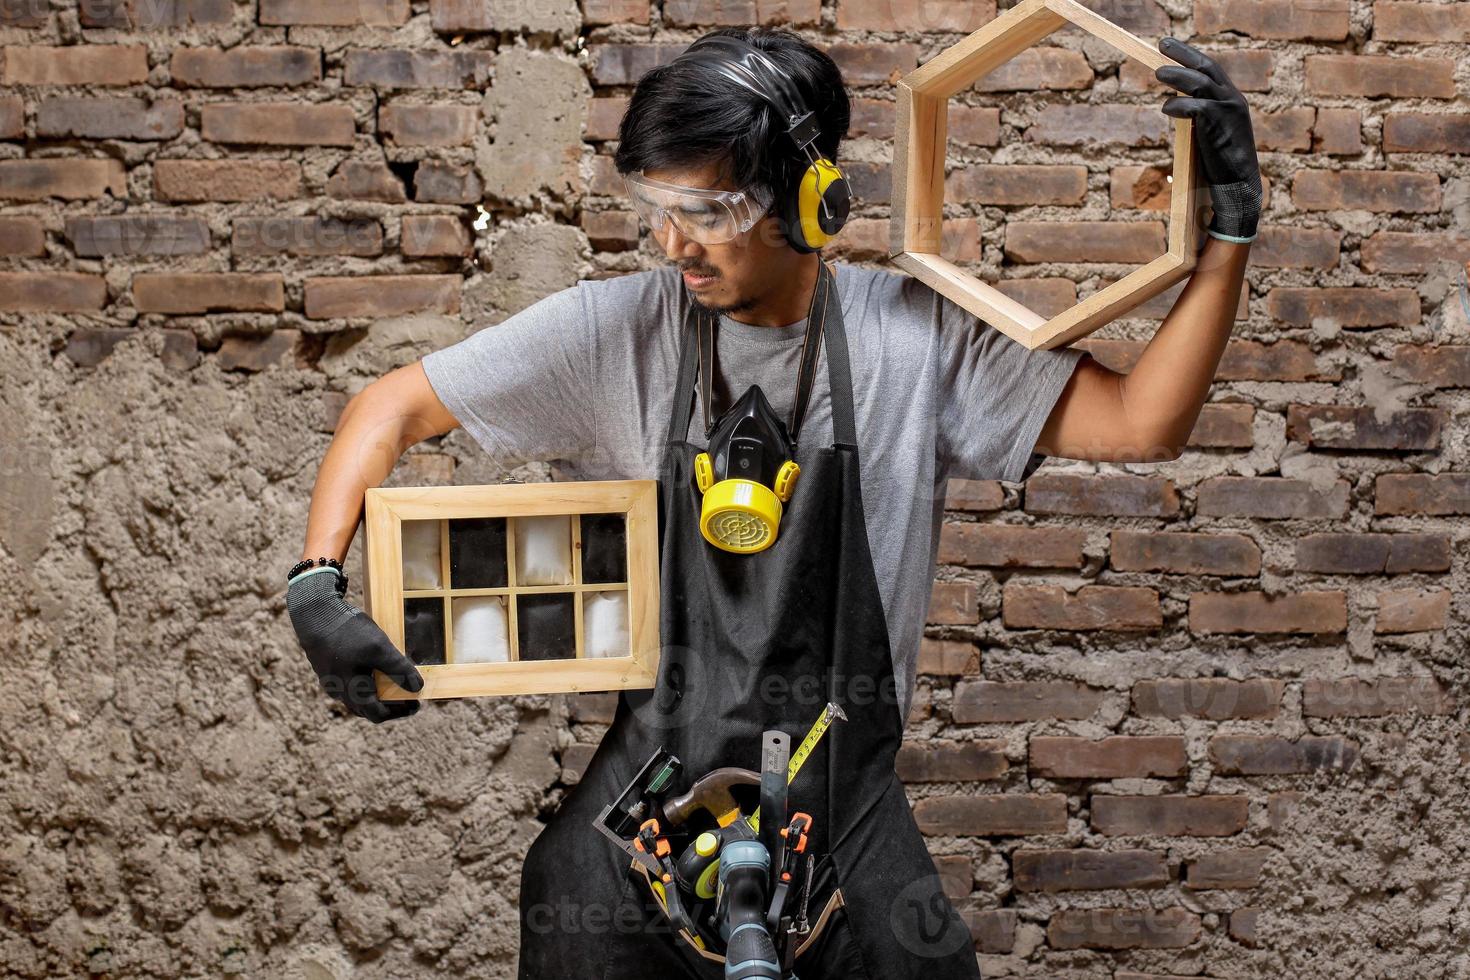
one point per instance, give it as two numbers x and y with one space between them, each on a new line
1222 126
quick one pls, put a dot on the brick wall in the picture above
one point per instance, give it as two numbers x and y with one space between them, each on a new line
1201 718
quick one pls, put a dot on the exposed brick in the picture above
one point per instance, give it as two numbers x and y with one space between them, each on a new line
574 761
408 69
366 180
290 235
180 350
1257 612
872 64
22 236
1085 241
1242 927
974 125
870 182
1074 125
207 292
74 64
1044 295
953 604
150 15
1184 553
1284 360
596 13
36 180
956 875
1424 132
1270 497
1012 184
137 234
1282 810
1169 816
604 115
425 235
1268 755
988 702
1250 69
1038 68
1412 610
1441 494
1011 546
1338 132
1367 190
35 13
1171 928
993 930
379 296
974 495
740 13
1128 496
334 13
1224 425
624 64
1092 607
1347 427
12 117
428 125
1211 698
1439 367
944 761
52 292
1084 869
1380 76
1360 553
950 16
1432 23
947 657
1411 253
866 240
1351 697
90 346
1281 247
1237 868
1289 130
245 67
1137 187
1118 757
1287 20
1346 306
611 231
110 118
226 180
592 709
257 353
446 183
277 124
992 815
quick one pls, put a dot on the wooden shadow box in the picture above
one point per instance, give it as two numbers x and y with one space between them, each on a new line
520 588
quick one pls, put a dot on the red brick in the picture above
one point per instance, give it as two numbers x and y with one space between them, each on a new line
12 116
1345 427
974 125
403 124
424 235
592 709
1351 697
1345 306
1133 186
866 240
110 118
956 875
1011 184
993 930
1442 494
1242 926
974 495
624 64
1426 132
1367 190
1084 241
1074 125
1380 76
992 815
741 13
1283 247
378 296
1432 23
1011 546
953 604
68 179
365 180
1169 816
1360 553
1289 130
1412 610
334 13
987 702
208 292
1284 360
1118 757
1286 20
943 761
137 234
245 67
1224 425
1171 928
257 353
1250 69
1270 497
604 116
1126 496
1184 553
152 15
1411 253
1084 869
90 346
408 69
52 292
1438 367
1092 607
1212 698
1268 755
1238 868
611 231
1338 132
74 64
277 124
949 16
596 13
872 64
870 182
435 182
226 180
290 235
574 761
1039 68
1045 296
35 13
1257 612
22 236
947 657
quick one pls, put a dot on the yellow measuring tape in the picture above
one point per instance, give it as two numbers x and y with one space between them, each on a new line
819 728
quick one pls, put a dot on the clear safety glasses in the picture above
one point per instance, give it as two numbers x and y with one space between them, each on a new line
704 216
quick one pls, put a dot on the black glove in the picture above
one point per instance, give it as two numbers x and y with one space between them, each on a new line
1222 126
345 646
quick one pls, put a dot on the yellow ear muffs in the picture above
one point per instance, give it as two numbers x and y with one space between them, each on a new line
822 182
740 516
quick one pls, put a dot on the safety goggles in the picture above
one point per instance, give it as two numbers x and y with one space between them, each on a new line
705 216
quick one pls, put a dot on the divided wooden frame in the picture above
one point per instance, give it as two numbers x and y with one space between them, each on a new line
919 145
382 566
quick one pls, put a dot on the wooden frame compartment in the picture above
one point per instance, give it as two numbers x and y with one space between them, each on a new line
919 145
634 501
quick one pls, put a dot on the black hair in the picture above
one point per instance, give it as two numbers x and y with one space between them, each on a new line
683 115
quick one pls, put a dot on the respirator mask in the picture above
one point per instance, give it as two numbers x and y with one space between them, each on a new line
747 476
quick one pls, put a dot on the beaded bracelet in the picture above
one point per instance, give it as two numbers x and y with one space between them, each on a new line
323 562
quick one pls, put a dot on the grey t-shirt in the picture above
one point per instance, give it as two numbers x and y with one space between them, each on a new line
585 379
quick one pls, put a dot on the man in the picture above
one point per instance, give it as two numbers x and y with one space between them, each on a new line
890 389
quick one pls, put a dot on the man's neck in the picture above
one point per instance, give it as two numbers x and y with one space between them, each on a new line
789 300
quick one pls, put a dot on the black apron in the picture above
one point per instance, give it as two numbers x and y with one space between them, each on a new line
753 642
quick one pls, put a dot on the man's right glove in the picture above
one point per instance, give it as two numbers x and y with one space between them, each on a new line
1222 126
345 646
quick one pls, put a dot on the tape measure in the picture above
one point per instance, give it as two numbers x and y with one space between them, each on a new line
819 728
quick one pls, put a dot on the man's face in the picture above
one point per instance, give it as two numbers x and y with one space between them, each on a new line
732 276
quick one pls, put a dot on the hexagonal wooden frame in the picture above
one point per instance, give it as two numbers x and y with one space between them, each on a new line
919 145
